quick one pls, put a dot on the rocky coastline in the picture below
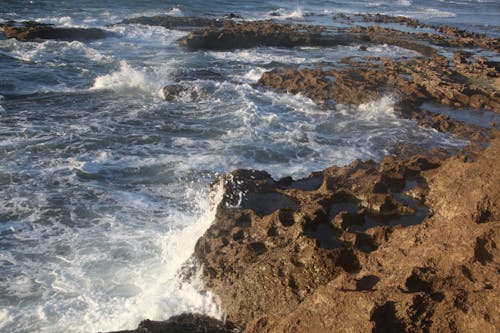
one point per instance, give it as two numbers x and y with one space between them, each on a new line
407 244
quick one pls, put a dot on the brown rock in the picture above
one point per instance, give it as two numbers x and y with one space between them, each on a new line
438 276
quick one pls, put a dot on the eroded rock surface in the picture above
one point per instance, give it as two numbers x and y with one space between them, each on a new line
347 249
274 242
440 276
405 245
409 244
466 81
31 30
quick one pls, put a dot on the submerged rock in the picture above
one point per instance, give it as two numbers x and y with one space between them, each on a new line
175 22
185 323
31 30
175 91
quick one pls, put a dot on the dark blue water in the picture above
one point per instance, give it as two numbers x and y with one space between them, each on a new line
104 185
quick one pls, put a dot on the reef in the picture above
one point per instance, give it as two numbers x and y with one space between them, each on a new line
32 31
175 22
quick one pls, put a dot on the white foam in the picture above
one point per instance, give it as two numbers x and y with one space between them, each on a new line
262 56
126 78
60 21
117 273
297 13
175 11
53 52
254 74
422 13
5 317
381 108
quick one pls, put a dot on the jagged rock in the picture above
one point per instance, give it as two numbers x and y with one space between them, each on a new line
31 30
185 323
274 242
437 276
414 81
449 36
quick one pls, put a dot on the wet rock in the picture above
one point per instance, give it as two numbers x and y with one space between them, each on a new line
186 323
234 16
31 30
176 91
449 36
414 82
260 33
175 22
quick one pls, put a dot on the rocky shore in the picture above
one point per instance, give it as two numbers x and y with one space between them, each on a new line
406 244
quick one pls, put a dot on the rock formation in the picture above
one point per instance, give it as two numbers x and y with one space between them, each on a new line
175 22
235 35
185 323
405 245
408 244
31 30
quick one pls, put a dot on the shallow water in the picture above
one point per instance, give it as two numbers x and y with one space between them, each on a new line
105 184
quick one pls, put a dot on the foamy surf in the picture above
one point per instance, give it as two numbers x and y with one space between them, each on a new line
128 78
101 289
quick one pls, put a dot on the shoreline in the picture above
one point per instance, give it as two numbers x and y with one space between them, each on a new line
405 244
389 246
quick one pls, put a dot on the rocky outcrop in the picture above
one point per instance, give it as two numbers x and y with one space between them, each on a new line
409 244
260 33
354 248
449 36
175 22
467 81
439 276
31 30
186 323
405 245
274 242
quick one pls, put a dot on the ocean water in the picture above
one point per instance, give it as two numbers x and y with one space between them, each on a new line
104 185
